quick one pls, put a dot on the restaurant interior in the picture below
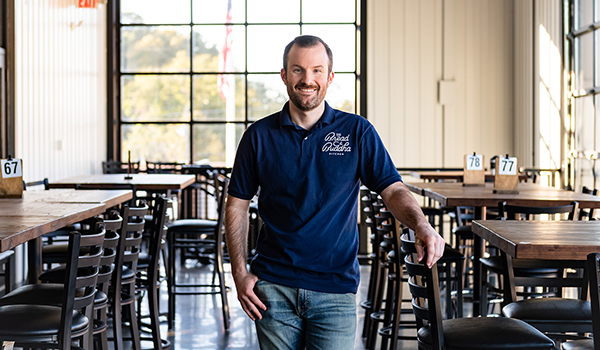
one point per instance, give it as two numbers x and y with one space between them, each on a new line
119 124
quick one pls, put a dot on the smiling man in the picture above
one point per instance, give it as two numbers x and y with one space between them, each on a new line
307 163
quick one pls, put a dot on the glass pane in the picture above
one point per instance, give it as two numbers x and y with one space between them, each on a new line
155 49
584 138
213 95
584 68
273 11
153 11
216 143
156 143
267 55
340 94
215 11
155 98
328 11
209 42
341 38
266 95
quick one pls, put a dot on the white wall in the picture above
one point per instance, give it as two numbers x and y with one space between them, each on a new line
60 106
502 92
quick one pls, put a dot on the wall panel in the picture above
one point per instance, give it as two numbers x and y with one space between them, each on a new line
468 42
60 107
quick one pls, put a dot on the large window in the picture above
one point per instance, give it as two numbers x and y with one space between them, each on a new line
582 21
191 75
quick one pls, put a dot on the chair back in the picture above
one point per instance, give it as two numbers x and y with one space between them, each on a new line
44 182
116 167
112 224
593 268
84 255
424 286
128 248
587 213
157 237
164 167
516 212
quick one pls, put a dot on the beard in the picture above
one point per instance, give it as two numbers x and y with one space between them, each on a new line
301 102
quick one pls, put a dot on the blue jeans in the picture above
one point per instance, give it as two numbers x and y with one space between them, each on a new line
297 318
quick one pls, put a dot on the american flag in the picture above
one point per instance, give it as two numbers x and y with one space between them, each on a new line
225 62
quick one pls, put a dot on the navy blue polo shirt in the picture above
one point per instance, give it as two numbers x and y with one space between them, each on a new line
308 184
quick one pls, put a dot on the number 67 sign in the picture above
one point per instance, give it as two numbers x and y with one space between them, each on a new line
11 181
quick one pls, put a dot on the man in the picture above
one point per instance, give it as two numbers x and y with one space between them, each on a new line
308 162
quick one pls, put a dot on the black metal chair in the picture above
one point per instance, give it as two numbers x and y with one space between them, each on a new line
593 269
48 324
206 238
122 292
147 281
488 333
522 268
117 167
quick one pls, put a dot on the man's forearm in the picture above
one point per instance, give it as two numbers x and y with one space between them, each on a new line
236 234
401 203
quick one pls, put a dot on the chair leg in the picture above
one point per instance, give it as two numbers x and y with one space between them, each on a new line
218 267
135 329
154 321
117 323
171 279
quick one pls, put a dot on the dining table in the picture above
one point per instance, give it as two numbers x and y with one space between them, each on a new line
452 175
454 194
169 184
37 213
145 182
565 240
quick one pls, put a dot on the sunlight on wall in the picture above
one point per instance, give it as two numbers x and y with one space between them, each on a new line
549 95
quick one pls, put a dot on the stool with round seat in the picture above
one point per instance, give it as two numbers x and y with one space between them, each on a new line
206 238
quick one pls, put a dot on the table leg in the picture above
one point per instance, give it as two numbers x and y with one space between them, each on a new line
479 214
34 260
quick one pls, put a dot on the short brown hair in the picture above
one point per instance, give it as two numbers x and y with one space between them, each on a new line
307 41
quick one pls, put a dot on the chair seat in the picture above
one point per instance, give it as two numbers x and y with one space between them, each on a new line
451 254
491 333
127 273
551 310
100 298
580 344
192 225
40 294
494 263
464 232
42 321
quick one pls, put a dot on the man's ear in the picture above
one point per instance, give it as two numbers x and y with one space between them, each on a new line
284 76
330 78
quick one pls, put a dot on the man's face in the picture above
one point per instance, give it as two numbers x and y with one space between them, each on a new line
307 77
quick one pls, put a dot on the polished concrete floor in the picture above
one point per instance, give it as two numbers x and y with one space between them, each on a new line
199 324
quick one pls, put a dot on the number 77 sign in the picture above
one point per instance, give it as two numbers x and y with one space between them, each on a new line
506 179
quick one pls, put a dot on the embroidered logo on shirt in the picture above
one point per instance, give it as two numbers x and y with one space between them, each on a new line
336 144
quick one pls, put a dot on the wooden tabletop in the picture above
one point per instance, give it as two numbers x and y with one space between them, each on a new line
530 194
451 175
41 212
109 197
552 240
152 182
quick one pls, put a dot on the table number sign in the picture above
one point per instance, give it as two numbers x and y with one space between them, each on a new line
474 173
11 179
506 179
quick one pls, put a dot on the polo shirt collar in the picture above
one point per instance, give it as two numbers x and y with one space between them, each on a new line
328 116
